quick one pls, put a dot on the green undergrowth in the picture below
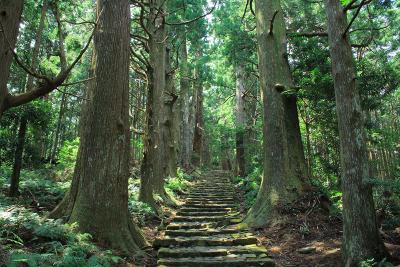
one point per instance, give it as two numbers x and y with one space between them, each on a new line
27 239
178 185
249 185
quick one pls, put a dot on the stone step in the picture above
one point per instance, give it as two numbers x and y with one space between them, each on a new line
243 260
209 205
210 197
210 251
203 213
201 232
189 225
208 202
216 240
204 218
206 209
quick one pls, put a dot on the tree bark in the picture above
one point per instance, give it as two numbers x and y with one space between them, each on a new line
240 115
198 136
10 17
279 186
361 239
185 108
156 157
171 127
23 127
98 197
63 60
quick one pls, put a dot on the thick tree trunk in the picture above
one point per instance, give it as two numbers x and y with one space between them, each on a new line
240 115
278 185
169 99
19 150
10 17
297 160
98 198
184 102
156 158
361 240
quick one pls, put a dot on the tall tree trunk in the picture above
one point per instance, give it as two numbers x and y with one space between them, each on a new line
278 185
184 102
361 240
307 123
63 60
198 136
240 115
23 127
98 197
10 17
156 158
171 127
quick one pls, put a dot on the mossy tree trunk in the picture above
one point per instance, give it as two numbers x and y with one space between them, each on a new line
279 186
98 197
361 239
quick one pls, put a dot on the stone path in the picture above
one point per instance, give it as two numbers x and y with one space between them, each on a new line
203 234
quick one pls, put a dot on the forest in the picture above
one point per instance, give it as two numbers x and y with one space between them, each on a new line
200 133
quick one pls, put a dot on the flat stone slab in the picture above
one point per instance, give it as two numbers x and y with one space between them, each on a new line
217 240
198 251
200 232
206 209
189 225
204 213
204 218
240 260
210 205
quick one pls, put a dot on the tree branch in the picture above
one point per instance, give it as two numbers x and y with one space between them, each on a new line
308 34
363 2
47 86
193 20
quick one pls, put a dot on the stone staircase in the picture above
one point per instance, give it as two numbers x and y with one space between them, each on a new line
203 233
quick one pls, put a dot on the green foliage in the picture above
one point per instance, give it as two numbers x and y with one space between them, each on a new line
178 184
52 243
250 185
68 153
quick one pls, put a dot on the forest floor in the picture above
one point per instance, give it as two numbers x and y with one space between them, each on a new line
311 237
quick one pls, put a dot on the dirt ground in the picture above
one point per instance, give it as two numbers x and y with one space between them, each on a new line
310 237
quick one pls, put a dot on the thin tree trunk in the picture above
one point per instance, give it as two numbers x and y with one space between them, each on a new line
98 197
240 115
198 136
185 109
361 239
19 150
63 60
